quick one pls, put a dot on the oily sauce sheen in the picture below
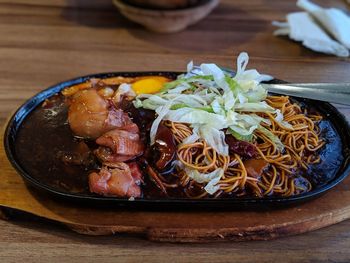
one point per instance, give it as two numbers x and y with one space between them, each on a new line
45 141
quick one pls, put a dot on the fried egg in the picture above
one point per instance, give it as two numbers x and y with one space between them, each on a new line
149 84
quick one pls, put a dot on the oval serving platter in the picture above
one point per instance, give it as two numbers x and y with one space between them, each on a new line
339 134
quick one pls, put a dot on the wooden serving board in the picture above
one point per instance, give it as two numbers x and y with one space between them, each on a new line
175 226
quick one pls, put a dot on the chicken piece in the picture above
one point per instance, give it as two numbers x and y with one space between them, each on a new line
90 115
120 144
136 172
121 141
105 155
117 118
121 180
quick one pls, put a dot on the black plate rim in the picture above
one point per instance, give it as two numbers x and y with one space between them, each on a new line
122 201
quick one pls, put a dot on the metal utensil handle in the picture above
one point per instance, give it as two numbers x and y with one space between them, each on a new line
331 92
337 93
342 87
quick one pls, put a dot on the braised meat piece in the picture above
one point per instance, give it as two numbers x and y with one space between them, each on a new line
119 144
120 180
255 167
90 115
242 148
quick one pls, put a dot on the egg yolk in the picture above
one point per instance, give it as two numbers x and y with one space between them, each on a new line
149 85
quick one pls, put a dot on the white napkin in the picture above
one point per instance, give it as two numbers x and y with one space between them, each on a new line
301 26
334 20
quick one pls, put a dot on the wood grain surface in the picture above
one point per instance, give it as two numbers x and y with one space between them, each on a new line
44 42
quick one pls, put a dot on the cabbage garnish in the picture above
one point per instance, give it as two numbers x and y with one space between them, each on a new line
279 118
254 107
213 101
272 137
245 125
211 178
192 138
161 111
212 187
208 125
214 137
210 100
239 136
217 73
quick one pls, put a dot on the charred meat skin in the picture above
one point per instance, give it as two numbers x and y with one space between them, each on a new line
120 145
105 154
120 180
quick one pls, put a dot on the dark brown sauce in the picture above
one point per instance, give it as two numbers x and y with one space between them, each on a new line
45 140
42 139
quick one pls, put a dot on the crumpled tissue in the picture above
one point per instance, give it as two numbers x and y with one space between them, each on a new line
320 29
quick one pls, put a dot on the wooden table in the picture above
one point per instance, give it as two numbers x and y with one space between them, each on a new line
44 42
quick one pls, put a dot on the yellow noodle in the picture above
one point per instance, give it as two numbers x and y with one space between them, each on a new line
301 143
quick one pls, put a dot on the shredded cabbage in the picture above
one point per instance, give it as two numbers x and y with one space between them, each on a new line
212 100
162 111
214 137
272 137
192 138
211 178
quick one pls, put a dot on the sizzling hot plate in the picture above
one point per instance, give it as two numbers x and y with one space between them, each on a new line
337 153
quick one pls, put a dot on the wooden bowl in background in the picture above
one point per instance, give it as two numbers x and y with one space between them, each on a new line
163 4
166 21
